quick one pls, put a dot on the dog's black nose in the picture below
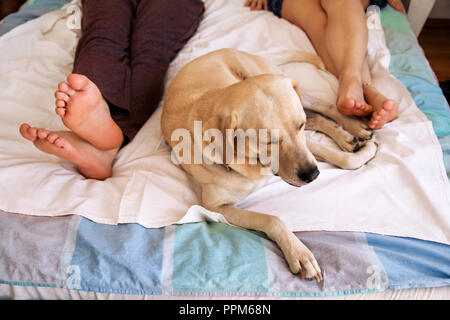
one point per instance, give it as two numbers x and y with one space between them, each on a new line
309 174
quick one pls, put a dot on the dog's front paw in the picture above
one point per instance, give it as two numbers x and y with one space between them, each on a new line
350 144
301 260
358 128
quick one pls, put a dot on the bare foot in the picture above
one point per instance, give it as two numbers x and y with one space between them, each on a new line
83 110
90 161
386 109
350 97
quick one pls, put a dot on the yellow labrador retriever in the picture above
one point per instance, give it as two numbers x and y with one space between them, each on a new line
229 90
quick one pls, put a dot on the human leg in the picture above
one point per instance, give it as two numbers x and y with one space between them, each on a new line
160 30
102 55
346 41
300 13
339 34
103 52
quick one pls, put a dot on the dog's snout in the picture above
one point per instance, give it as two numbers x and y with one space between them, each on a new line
308 175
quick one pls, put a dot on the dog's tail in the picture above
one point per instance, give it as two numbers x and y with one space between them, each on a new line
296 56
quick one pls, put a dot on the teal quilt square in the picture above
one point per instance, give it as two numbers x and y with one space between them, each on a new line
215 257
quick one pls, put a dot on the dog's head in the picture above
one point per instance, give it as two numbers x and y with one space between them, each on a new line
270 107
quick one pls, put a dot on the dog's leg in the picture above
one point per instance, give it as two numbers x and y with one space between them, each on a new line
354 126
343 139
342 159
298 256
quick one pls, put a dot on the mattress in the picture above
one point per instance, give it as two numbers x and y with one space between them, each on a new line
73 257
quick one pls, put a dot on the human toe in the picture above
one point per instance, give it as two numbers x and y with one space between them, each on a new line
78 81
28 132
42 133
65 88
61 95
52 137
60 103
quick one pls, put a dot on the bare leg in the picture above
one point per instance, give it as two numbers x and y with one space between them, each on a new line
300 13
346 40
338 32
339 35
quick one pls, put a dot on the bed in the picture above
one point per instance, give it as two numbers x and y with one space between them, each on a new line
73 257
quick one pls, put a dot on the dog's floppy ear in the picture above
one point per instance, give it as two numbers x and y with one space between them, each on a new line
250 167
297 90
235 134
215 129
230 125
214 133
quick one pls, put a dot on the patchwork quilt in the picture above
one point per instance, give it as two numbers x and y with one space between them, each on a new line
215 259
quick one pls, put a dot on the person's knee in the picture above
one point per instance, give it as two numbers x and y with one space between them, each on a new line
365 3
319 27
301 16
329 4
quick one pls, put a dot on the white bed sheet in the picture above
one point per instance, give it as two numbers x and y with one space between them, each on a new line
47 293
403 191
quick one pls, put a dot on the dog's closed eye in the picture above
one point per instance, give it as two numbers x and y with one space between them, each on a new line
301 126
